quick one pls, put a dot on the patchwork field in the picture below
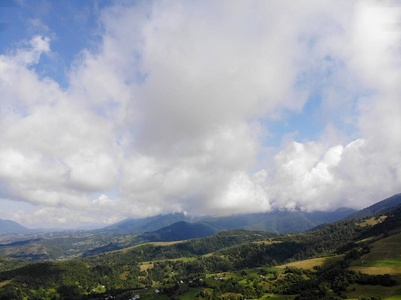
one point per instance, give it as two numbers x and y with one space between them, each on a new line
384 258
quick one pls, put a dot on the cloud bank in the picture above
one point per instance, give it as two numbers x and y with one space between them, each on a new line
173 109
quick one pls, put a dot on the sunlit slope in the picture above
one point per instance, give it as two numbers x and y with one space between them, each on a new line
384 257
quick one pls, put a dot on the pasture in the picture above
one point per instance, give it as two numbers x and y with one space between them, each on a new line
308 264
384 257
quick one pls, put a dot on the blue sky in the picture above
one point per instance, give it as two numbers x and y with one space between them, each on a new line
72 25
204 107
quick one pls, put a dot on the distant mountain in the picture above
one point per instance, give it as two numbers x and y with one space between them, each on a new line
180 231
277 221
260 257
11 227
142 225
378 208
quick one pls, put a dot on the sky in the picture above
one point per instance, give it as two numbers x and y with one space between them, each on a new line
127 109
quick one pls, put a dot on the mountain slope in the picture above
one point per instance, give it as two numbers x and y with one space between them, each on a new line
277 221
179 231
175 232
11 227
378 208
142 225
143 270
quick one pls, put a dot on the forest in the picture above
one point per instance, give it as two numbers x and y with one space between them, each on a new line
235 264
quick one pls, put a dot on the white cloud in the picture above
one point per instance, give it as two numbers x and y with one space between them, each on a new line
31 55
167 112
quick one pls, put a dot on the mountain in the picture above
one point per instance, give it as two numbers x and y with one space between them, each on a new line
142 225
378 208
348 259
277 221
179 231
11 227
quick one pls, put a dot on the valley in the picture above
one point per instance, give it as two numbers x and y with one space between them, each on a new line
347 259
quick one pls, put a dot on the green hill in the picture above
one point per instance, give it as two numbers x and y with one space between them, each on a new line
229 265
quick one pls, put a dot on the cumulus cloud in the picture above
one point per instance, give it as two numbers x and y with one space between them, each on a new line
361 93
167 113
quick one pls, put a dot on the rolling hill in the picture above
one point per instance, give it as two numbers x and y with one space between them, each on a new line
40 249
232 265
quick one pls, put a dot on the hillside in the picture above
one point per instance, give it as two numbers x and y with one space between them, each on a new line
176 232
229 265
179 231
11 227
277 221
378 208
142 225
73 246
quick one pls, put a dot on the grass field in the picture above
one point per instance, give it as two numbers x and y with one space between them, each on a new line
151 243
190 295
145 266
3 283
384 257
310 263
277 297
372 221
396 296
372 290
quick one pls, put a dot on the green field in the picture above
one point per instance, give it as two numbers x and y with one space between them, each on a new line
373 290
396 296
190 295
310 263
277 297
384 257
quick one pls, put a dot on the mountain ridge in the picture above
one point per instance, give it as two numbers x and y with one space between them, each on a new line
12 227
222 261
382 206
